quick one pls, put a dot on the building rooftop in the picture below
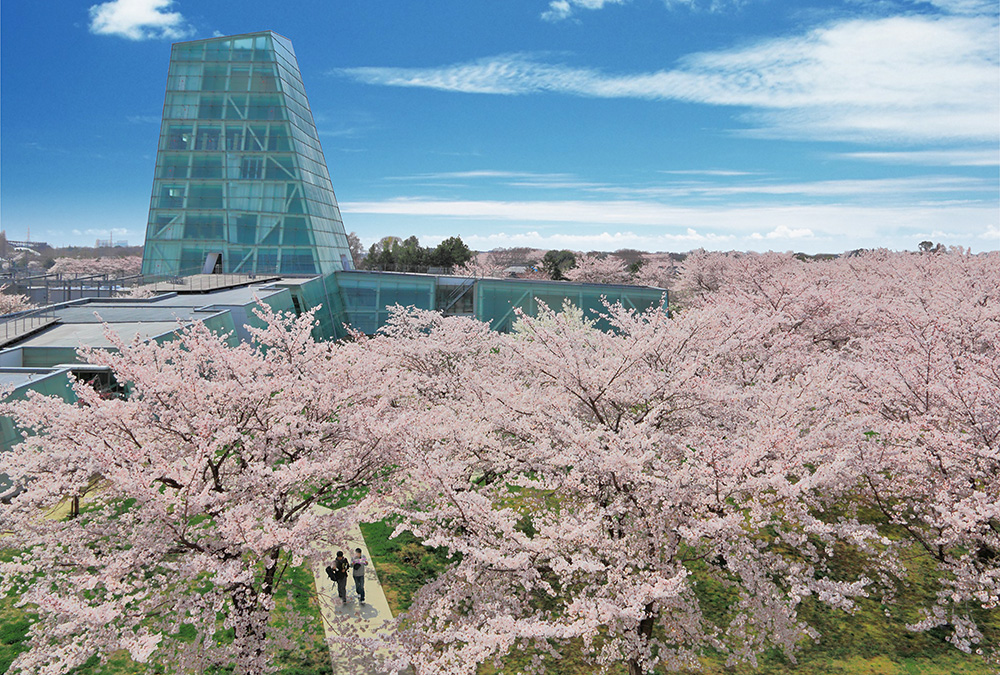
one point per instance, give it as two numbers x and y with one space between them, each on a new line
92 334
12 378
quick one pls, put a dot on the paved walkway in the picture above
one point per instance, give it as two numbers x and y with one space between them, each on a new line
368 617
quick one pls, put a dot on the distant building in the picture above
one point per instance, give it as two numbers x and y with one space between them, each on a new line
241 184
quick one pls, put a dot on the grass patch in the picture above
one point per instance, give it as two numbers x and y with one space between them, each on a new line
866 642
14 624
403 563
296 598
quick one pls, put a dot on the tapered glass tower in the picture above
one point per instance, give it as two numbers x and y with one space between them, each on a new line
241 184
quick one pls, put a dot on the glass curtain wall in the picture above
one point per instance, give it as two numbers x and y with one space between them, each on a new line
361 299
241 184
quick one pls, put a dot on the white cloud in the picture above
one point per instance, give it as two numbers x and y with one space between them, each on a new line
563 9
655 226
558 10
955 157
484 173
704 5
905 188
601 241
785 232
709 172
347 132
966 6
903 78
138 20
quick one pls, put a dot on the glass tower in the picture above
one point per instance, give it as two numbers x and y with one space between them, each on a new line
241 184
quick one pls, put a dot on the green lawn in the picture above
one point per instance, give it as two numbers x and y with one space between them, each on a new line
311 656
866 642
402 563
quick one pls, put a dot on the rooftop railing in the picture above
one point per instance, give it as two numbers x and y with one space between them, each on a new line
16 325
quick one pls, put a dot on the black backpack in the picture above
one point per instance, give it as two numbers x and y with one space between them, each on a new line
329 573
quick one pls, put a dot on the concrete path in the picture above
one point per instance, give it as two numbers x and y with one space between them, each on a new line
368 619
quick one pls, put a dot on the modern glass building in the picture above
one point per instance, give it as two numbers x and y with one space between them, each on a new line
242 188
241 184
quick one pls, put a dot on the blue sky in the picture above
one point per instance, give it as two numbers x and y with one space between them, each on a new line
664 125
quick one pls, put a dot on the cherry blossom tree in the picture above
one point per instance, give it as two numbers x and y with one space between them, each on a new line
639 495
119 267
13 302
595 484
917 341
591 481
481 265
703 272
139 291
655 271
594 269
926 372
198 487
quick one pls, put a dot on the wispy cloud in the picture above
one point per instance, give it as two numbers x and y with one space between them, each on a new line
346 132
563 9
343 123
709 172
957 157
966 6
483 173
844 189
143 119
138 20
701 186
903 78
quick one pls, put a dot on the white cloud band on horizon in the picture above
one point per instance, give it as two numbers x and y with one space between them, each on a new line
138 20
645 223
904 78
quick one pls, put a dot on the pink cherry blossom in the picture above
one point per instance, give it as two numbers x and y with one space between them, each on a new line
196 492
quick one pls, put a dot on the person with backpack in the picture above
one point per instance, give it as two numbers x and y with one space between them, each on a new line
338 573
359 562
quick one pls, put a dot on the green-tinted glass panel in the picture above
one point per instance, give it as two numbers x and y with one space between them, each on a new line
174 166
267 260
214 78
272 237
204 196
296 232
206 166
203 227
246 229
218 181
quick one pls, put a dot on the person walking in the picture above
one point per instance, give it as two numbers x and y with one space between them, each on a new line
359 563
340 566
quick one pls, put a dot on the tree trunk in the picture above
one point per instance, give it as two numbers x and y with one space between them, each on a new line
251 627
645 632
